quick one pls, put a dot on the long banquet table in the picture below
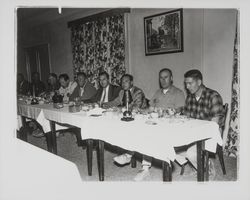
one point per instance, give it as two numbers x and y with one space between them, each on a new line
155 139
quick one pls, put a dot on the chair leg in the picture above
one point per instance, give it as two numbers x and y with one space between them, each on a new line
206 160
221 158
77 132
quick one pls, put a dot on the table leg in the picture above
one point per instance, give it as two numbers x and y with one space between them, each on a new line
49 141
53 137
100 158
89 155
167 171
23 134
133 161
200 162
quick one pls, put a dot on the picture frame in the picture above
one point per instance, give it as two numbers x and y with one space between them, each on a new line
163 33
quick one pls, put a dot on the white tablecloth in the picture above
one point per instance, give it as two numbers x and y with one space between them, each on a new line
154 140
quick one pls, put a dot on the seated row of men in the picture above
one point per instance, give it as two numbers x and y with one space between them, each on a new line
201 102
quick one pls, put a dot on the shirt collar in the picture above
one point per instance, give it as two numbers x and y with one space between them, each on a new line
106 89
201 94
164 91
131 89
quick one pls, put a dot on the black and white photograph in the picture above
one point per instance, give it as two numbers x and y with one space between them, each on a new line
125 95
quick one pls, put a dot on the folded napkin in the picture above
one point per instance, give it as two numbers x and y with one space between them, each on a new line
95 111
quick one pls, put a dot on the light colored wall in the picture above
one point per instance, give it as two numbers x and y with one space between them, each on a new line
219 34
146 68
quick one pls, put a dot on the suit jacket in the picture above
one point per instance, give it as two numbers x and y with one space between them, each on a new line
89 92
112 94
23 88
38 88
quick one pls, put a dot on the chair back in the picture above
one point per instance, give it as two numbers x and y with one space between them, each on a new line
225 110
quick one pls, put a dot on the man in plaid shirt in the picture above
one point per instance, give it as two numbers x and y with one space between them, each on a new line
201 103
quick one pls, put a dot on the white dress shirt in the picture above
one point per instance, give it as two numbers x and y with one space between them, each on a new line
105 94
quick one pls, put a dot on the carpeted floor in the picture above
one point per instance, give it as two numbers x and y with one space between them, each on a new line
68 149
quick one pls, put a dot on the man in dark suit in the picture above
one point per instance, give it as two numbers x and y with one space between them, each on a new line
107 92
37 87
22 85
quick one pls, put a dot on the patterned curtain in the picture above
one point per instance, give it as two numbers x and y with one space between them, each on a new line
100 46
231 147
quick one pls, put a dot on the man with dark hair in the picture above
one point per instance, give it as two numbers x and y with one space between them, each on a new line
168 96
84 89
67 86
201 103
107 91
37 87
22 85
138 101
53 83
138 97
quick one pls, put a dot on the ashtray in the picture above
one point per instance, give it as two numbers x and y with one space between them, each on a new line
57 105
127 119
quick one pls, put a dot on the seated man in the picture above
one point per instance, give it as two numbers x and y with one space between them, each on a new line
53 83
168 96
52 87
22 85
138 102
37 87
201 103
138 97
84 89
66 86
107 92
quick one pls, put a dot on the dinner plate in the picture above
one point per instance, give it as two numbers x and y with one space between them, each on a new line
150 122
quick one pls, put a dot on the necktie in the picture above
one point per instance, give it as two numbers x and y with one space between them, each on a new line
104 95
127 97
81 91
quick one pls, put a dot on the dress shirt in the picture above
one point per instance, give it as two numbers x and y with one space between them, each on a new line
105 95
172 97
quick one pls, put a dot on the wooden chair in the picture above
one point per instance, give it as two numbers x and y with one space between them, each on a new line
219 150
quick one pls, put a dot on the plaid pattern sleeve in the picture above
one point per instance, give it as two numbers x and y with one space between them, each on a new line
139 100
209 105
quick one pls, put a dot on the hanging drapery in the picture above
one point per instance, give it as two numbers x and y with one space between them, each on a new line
231 147
99 45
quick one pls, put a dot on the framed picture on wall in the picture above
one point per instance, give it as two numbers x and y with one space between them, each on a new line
163 33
